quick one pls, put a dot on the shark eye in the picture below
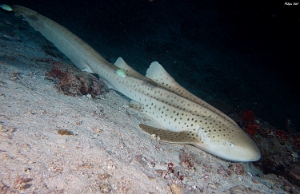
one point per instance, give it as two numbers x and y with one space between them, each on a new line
230 144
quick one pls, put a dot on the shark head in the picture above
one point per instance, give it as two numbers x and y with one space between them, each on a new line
228 142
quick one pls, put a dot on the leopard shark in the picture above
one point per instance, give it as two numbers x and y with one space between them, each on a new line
184 118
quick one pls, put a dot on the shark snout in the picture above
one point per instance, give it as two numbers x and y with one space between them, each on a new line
243 149
250 154
239 147
233 152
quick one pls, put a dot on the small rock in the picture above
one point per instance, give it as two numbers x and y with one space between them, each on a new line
176 189
105 188
237 168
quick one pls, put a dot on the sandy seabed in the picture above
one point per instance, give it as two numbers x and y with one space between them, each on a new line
105 152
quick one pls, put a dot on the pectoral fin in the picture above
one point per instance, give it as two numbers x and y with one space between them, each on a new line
183 137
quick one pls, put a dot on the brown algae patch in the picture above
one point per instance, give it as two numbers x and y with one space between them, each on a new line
64 132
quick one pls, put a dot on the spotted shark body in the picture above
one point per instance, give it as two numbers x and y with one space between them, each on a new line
184 117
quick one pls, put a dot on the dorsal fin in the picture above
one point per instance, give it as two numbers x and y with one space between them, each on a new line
120 63
157 73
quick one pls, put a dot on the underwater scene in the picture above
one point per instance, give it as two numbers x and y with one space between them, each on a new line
149 96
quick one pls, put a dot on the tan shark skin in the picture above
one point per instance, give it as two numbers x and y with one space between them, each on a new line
186 118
